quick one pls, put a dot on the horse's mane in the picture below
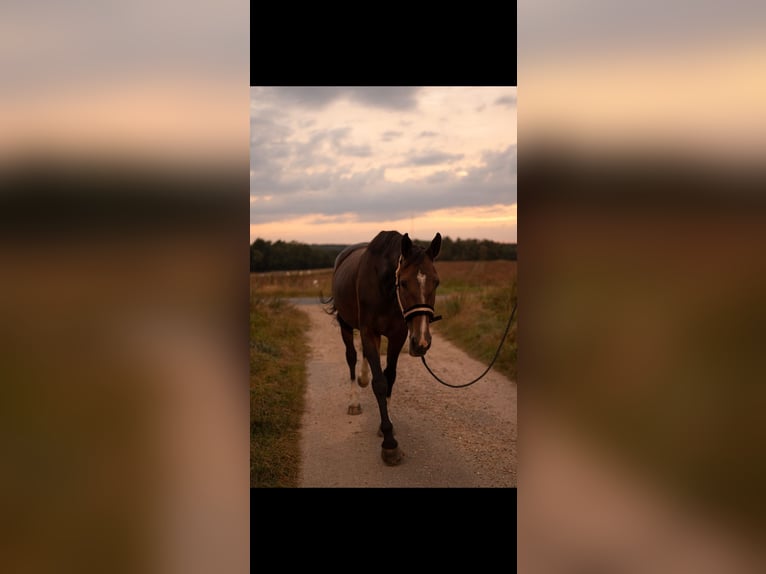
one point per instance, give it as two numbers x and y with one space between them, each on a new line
389 245
386 242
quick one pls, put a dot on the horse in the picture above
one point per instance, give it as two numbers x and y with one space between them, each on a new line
386 287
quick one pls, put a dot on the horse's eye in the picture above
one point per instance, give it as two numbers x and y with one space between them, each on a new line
403 283
436 283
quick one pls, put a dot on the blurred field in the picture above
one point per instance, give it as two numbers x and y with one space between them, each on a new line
646 338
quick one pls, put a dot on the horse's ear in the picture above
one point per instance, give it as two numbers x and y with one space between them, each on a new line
435 247
406 245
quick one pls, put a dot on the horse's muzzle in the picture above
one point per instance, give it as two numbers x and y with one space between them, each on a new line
420 342
418 351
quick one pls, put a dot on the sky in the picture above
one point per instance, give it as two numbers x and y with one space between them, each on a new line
683 78
340 164
149 80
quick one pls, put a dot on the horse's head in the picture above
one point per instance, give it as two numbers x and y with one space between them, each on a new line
416 283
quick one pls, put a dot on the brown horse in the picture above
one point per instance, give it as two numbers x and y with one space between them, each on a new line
384 288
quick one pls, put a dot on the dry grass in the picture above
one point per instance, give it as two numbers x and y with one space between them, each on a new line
455 276
470 275
309 283
477 298
278 351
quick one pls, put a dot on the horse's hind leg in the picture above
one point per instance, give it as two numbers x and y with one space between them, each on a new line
354 405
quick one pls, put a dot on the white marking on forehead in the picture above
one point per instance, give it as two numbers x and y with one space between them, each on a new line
422 283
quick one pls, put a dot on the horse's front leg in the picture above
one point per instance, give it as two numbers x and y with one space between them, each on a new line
390 448
395 343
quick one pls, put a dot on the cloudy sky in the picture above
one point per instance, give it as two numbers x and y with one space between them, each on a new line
337 165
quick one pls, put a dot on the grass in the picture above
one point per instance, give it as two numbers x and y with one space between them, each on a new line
468 276
478 299
456 277
308 283
278 351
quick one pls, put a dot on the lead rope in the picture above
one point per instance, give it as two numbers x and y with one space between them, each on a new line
497 353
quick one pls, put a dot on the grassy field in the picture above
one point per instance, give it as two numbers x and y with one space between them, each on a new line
456 277
292 283
278 350
475 299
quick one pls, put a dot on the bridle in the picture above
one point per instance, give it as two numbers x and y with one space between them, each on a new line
423 309
414 310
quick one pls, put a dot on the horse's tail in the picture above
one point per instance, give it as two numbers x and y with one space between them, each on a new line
331 309
329 304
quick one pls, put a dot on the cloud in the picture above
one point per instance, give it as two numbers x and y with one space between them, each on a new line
318 97
269 146
369 195
508 101
501 160
390 136
355 150
274 147
396 98
339 141
440 177
432 157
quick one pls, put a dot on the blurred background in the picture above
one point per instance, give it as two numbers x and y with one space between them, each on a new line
123 286
643 284
124 134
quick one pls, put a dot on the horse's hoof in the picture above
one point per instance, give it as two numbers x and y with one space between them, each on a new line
355 409
363 382
392 456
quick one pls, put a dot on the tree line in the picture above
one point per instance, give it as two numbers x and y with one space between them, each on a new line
285 256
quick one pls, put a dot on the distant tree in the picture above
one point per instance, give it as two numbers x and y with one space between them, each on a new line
448 249
282 255
259 255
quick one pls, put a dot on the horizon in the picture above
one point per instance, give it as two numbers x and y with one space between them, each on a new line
413 238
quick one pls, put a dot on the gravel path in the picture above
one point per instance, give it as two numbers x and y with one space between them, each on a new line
450 437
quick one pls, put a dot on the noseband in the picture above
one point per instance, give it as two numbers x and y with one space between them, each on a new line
414 310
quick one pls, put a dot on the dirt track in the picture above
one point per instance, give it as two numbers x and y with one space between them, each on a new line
450 437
